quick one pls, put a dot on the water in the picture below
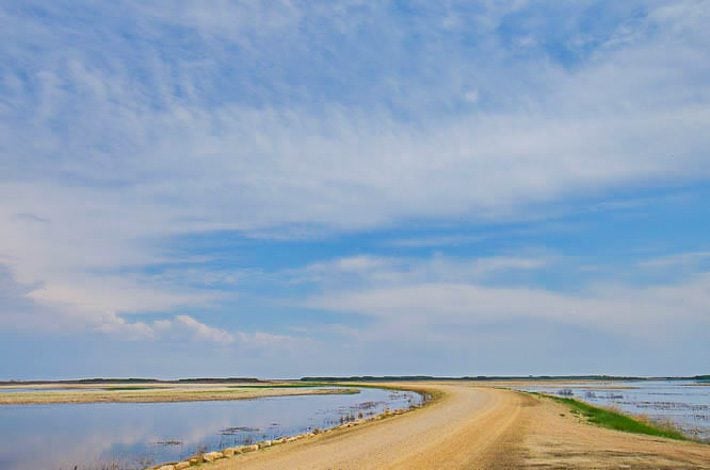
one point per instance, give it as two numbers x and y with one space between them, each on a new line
686 404
134 435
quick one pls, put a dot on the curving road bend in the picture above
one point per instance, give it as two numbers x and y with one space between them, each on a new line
476 427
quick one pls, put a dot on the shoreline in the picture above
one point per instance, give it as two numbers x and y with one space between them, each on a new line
429 397
617 420
468 425
464 424
163 395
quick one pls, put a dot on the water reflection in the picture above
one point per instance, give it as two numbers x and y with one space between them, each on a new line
134 435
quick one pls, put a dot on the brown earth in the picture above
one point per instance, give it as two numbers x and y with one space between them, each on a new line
472 426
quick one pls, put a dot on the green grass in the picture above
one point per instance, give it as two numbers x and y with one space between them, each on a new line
620 422
128 387
284 385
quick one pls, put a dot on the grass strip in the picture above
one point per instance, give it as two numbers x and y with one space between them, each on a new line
620 422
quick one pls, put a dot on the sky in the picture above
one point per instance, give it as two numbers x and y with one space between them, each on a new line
287 188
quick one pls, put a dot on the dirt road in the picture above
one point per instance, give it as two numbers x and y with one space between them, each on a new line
477 427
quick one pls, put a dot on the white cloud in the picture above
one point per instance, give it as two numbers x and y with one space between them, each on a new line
387 271
193 328
471 96
682 260
110 293
649 311
435 240
101 165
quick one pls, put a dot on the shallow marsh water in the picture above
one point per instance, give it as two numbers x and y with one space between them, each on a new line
684 403
134 435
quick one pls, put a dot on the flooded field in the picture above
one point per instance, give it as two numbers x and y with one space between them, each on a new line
134 435
686 404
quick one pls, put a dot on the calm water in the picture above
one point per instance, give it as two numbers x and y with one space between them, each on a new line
133 435
685 403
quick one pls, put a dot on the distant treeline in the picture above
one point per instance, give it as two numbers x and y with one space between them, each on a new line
355 378
398 378
134 380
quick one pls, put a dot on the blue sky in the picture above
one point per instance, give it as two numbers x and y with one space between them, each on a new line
279 189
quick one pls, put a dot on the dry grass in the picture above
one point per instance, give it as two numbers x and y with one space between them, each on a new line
158 394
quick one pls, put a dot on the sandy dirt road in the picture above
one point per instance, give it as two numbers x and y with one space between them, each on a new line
476 427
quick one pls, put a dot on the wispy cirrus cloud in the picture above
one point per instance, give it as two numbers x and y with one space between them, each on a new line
124 126
428 294
682 260
374 270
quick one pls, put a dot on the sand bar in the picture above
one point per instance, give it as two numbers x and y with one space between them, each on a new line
162 393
